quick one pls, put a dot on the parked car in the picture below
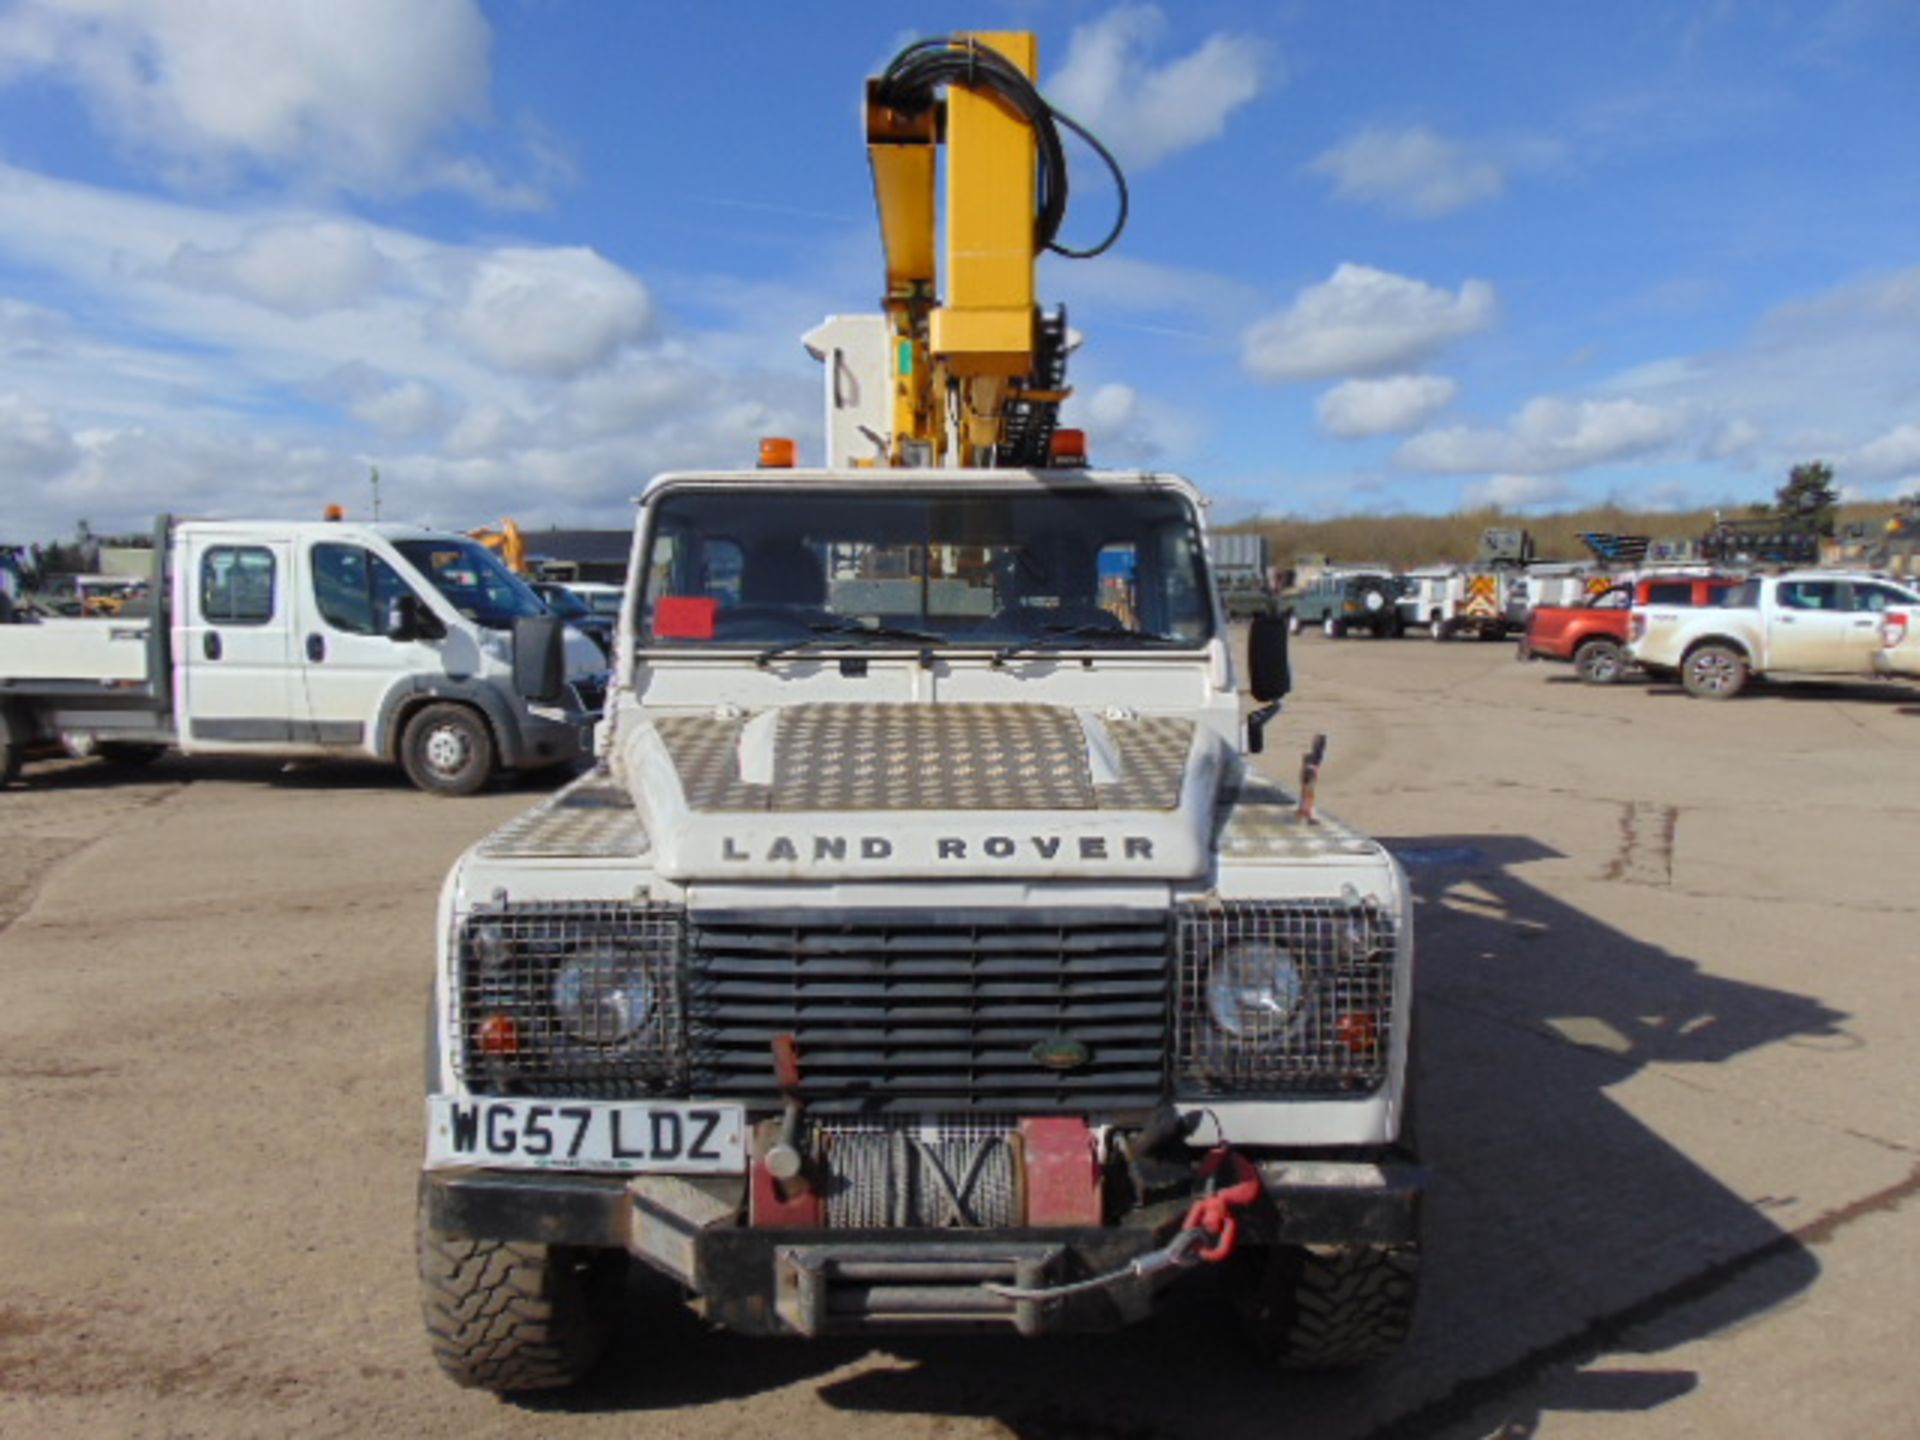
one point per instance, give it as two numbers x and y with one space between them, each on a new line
1807 623
1341 601
562 601
1593 636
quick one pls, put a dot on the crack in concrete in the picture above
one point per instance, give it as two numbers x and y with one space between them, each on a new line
28 894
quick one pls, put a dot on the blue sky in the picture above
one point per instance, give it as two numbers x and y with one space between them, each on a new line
523 254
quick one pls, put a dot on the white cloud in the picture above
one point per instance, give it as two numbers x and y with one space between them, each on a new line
554 312
1363 321
1516 492
1143 112
300 269
1358 408
403 411
1736 437
34 445
1412 172
358 94
1125 427
1894 453
538 366
1548 435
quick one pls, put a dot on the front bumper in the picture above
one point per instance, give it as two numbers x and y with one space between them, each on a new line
776 1280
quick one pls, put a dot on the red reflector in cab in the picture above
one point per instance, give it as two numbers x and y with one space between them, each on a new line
1067 447
777 453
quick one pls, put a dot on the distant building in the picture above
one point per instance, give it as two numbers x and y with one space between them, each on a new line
597 555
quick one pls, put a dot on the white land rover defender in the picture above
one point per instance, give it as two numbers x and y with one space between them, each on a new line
923 954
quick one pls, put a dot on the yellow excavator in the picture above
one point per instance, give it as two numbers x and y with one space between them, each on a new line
506 541
975 371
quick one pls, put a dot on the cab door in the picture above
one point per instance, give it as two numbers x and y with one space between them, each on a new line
1808 632
235 651
348 663
1867 602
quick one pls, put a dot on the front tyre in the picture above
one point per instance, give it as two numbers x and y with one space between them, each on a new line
1322 1307
447 750
1714 672
508 1316
1333 628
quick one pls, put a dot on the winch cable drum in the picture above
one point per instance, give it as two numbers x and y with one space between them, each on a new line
908 85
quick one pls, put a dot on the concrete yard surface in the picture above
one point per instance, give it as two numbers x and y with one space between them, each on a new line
1669 977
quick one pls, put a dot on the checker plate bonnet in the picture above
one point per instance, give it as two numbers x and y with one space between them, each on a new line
960 757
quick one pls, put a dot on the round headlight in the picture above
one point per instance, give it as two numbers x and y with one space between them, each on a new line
602 997
1255 991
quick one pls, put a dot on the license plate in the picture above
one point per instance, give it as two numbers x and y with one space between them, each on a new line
625 1136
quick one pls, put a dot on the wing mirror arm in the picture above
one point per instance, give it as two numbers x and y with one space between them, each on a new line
1257 723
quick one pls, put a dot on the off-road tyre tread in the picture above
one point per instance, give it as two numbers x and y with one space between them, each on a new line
1324 1307
507 1316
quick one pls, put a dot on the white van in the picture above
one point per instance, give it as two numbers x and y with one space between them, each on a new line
279 638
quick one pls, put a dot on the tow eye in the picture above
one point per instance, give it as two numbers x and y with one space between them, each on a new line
1209 1232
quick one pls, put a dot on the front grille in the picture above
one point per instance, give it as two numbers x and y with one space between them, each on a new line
538 1007
933 1011
1334 1040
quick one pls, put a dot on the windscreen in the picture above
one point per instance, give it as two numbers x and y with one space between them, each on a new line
1101 568
474 582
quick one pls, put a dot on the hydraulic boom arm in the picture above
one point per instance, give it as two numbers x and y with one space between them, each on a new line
975 377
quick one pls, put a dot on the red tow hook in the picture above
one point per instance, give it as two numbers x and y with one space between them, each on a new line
1212 1214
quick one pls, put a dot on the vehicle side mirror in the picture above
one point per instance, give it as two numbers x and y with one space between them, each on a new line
1269 671
540 657
408 619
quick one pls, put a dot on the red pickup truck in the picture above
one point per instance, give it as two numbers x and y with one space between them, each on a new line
1594 635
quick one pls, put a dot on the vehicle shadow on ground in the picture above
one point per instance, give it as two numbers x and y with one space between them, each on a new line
1559 1225
73 776
1862 691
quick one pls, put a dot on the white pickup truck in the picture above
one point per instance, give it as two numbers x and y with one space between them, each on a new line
286 638
1807 623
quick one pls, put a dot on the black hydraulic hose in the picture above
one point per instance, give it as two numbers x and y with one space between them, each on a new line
908 85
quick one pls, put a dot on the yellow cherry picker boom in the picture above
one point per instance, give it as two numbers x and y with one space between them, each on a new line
975 370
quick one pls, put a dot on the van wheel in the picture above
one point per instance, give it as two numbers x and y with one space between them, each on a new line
1437 629
1317 1307
447 750
1714 672
1599 662
1333 628
1293 623
508 1316
9 756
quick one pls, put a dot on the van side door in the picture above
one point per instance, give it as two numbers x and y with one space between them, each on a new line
238 690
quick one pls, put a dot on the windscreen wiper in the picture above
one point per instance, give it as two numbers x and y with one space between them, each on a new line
847 629
1064 637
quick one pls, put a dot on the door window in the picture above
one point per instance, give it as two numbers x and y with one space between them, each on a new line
1878 597
236 585
353 587
1810 594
